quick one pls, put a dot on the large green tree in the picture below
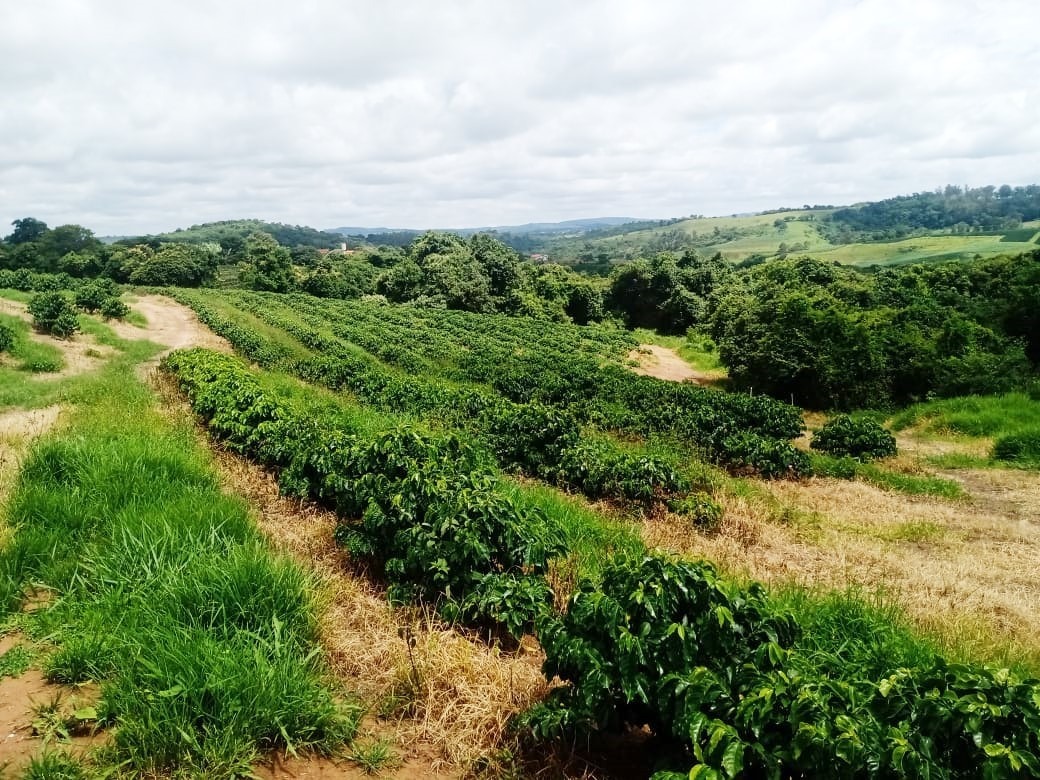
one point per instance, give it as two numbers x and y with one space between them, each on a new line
25 230
268 264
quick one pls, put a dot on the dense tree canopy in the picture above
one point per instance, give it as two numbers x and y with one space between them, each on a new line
667 292
962 210
829 336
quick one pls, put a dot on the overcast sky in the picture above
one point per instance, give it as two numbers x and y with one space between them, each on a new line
134 116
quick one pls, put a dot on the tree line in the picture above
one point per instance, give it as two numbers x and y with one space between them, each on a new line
830 336
958 209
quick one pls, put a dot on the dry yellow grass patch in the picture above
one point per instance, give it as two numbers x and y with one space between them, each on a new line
443 688
967 571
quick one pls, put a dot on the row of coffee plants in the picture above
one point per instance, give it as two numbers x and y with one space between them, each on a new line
749 434
727 679
734 687
31 281
425 509
525 363
542 441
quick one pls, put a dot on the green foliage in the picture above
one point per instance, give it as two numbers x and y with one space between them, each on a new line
231 235
549 391
169 264
862 438
704 511
92 296
54 313
1022 447
621 640
433 517
16 661
26 230
114 309
666 293
7 337
733 686
202 640
829 337
51 765
268 265
101 296
979 208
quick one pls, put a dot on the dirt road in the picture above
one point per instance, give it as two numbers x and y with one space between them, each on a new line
665 363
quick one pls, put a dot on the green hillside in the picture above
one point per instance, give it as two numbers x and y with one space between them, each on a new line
769 235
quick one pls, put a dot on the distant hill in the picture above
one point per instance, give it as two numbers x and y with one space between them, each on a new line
235 231
567 226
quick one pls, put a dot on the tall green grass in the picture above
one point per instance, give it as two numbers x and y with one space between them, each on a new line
973 415
591 536
204 642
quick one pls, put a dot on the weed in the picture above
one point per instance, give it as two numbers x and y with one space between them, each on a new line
374 756
16 661
55 766
56 720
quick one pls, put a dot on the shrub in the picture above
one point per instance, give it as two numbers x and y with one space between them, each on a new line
733 687
771 458
93 295
1021 447
702 509
844 436
54 313
7 337
114 309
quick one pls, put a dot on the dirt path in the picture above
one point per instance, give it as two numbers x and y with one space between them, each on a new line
169 323
664 363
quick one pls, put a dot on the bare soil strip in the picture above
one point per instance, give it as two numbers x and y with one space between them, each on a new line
170 324
665 363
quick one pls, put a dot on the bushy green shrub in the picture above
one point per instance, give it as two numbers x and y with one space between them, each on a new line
92 295
7 338
54 313
732 688
769 457
1021 447
114 309
845 436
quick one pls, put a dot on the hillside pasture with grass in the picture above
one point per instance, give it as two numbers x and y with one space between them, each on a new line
797 233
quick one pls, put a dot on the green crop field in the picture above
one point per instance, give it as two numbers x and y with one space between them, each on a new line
505 483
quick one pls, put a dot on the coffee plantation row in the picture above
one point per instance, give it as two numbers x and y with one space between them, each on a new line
529 362
725 676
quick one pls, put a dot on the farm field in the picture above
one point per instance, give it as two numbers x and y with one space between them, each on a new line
432 511
739 237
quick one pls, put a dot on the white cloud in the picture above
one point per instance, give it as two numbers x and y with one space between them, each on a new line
130 117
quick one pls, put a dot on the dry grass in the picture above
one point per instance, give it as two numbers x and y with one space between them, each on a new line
444 688
443 695
965 571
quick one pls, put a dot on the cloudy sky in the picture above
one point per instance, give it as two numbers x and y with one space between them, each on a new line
138 116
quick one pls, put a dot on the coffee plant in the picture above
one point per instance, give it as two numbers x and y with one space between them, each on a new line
845 436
